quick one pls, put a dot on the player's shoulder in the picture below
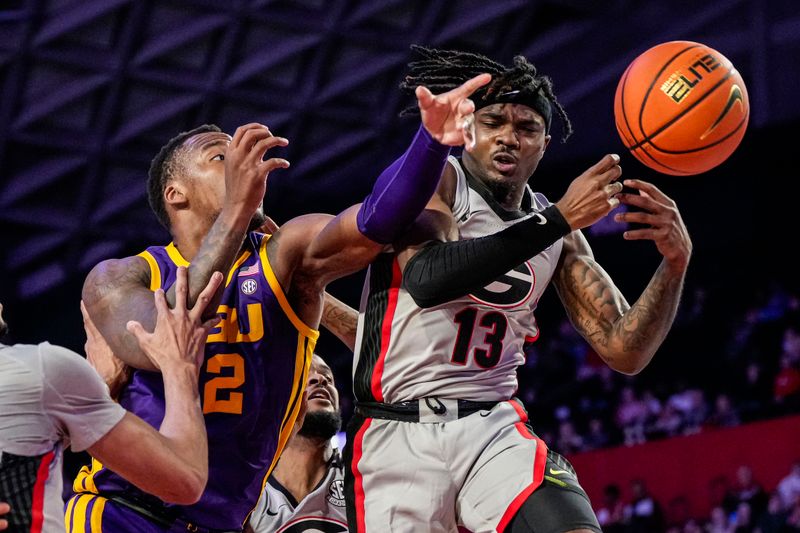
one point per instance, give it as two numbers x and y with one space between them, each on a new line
113 273
59 363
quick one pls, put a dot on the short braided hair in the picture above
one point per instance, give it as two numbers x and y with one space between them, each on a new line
163 168
444 70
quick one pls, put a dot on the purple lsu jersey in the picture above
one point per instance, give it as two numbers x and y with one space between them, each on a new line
251 383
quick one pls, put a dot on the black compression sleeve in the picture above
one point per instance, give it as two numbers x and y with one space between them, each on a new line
445 271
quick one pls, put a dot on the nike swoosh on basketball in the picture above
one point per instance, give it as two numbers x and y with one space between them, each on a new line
734 96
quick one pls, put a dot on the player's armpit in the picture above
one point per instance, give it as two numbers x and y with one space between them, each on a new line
116 291
165 474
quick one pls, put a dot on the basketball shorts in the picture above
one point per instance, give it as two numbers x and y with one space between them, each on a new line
443 465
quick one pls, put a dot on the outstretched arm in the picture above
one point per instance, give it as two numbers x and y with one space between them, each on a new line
315 250
625 336
176 469
116 291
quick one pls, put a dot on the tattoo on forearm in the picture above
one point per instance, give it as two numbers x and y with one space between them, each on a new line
599 312
216 253
339 321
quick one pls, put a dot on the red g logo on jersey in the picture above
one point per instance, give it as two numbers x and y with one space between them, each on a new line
509 290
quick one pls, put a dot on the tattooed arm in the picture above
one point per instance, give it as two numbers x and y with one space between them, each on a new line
625 336
341 320
117 291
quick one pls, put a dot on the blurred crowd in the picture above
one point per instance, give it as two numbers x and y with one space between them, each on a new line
739 507
709 374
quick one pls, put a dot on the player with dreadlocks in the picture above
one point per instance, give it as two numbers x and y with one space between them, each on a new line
438 441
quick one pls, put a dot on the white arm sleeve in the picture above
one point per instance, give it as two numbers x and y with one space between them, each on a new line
76 398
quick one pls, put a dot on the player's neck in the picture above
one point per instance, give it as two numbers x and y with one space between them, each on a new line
188 232
303 465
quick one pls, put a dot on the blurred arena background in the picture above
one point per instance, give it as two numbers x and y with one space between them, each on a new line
90 89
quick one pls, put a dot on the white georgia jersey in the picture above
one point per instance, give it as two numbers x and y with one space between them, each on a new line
323 510
468 348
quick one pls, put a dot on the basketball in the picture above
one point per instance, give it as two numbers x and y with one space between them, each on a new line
681 108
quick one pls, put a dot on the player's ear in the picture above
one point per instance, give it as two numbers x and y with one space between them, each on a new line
546 142
175 194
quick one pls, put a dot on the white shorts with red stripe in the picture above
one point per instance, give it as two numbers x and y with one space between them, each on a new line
443 472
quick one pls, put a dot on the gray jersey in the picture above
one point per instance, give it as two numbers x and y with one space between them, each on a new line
322 510
49 398
468 348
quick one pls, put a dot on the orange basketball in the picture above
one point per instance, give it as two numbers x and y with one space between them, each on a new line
681 108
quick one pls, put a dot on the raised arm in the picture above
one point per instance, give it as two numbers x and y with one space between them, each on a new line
176 469
625 336
116 291
311 251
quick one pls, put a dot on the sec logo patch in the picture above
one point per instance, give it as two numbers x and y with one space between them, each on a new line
249 286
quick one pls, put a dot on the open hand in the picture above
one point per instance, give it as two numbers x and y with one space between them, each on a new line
180 333
593 194
661 213
246 171
446 115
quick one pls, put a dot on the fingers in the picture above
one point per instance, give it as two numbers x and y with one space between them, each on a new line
272 163
205 297
637 217
181 288
162 308
651 190
639 200
424 97
649 234
135 328
466 107
264 144
211 323
88 325
241 131
607 167
470 86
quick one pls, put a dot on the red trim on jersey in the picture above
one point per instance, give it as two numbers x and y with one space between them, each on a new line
535 338
523 416
538 476
37 506
386 331
358 452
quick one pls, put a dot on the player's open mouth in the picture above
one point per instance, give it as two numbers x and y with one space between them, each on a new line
504 162
321 394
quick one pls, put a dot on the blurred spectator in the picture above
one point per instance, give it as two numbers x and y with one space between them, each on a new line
724 414
669 422
742 521
719 521
597 437
644 513
774 519
747 490
568 439
754 392
612 515
721 495
691 404
631 417
789 487
787 381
